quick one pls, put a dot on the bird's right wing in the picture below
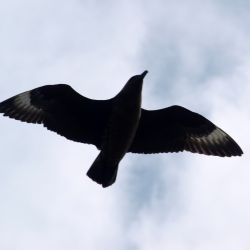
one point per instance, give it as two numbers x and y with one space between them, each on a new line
62 110
175 129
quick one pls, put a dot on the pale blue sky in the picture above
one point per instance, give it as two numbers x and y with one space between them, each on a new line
197 54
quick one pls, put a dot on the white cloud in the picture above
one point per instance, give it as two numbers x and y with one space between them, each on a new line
197 56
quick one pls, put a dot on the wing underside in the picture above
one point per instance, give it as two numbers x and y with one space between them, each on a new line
176 129
62 110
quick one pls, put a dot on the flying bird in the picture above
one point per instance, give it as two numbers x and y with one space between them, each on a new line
118 125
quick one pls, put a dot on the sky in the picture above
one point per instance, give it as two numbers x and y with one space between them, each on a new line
198 56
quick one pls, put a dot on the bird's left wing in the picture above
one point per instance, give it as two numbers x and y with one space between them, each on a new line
61 109
175 129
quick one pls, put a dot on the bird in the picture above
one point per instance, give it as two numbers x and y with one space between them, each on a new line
119 125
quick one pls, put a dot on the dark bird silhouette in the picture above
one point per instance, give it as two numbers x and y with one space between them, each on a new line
118 125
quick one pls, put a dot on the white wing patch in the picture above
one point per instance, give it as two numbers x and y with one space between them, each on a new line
216 143
23 101
20 108
216 136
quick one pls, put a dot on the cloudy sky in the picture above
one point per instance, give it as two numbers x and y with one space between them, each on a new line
198 56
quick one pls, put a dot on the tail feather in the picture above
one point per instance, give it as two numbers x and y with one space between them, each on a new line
102 173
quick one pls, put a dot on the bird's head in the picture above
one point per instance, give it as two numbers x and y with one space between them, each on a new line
133 85
136 81
138 78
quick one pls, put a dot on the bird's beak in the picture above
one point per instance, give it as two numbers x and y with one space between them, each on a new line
144 74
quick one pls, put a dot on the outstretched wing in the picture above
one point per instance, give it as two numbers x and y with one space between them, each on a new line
62 110
175 129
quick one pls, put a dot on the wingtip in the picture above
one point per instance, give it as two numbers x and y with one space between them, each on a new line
240 152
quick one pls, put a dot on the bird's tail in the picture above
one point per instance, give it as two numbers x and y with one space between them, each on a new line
102 173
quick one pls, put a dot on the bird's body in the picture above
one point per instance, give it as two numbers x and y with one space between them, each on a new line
119 133
118 125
